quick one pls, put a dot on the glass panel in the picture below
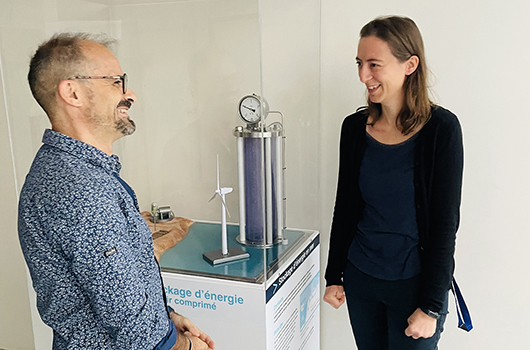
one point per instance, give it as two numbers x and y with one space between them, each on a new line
189 64
290 77
193 61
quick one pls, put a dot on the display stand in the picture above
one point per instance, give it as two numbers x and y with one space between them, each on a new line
268 301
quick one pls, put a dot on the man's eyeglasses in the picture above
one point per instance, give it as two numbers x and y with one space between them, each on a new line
123 79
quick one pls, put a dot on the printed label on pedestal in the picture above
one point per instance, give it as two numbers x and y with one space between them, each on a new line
293 304
220 309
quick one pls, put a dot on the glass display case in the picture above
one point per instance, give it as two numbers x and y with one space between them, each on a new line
190 62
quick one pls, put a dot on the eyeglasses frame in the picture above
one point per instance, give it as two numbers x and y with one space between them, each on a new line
123 79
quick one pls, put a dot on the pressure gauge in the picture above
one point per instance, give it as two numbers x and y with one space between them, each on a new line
251 108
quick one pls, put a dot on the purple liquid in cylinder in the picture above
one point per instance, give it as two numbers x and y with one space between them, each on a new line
254 192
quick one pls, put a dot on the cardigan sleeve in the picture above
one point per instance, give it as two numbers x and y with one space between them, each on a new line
345 215
443 211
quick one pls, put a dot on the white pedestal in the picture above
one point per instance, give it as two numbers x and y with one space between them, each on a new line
236 305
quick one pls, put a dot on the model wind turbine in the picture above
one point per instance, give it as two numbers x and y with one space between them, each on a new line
224 255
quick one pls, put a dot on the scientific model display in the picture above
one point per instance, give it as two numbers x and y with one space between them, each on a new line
265 277
260 150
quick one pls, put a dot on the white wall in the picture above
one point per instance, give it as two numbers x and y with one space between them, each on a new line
15 330
479 52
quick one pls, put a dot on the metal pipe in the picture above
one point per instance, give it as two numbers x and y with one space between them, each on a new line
268 191
241 180
284 194
279 186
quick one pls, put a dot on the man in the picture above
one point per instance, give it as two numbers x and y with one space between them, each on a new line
88 249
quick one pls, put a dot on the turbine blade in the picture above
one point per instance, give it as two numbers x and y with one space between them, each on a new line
211 199
224 204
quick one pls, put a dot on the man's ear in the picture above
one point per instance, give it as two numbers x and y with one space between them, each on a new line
70 92
412 64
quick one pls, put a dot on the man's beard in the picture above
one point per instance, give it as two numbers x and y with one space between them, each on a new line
126 127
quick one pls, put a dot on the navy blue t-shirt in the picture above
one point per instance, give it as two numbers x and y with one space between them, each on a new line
386 244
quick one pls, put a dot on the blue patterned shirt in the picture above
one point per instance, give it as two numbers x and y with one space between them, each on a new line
89 251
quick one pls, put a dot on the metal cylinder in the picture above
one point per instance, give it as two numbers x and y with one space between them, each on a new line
260 185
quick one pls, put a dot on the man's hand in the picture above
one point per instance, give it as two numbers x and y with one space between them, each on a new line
421 325
183 342
334 296
201 341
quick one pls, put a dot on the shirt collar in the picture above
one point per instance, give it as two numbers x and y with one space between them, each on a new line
82 150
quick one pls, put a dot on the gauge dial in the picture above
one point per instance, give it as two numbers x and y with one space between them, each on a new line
250 109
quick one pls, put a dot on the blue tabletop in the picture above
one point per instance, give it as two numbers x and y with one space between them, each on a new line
186 257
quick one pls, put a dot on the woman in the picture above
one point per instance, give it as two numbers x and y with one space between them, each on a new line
398 197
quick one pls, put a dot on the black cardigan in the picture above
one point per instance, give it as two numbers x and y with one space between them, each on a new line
438 165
